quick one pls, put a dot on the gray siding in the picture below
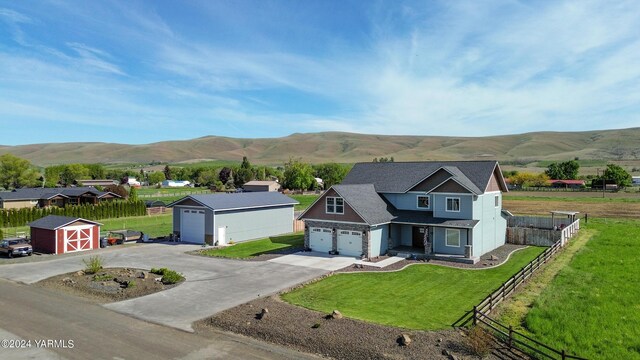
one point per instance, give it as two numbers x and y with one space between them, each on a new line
248 224
408 201
439 242
439 205
379 240
490 232
406 235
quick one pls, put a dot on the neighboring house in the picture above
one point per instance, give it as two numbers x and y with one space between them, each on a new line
98 182
133 182
176 183
635 180
222 218
258 185
567 184
43 197
450 210
55 234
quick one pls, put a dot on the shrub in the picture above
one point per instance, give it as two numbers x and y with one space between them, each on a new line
131 284
171 277
103 277
480 341
93 265
159 271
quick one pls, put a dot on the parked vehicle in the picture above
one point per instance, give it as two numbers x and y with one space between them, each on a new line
16 246
117 237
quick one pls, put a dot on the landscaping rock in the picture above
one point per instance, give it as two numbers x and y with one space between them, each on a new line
263 313
68 280
80 273
335 314
404 340
494 258
143 275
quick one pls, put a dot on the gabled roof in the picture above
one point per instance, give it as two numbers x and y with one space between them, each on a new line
54 222
48 193
366 202
400 177
262 182
218 202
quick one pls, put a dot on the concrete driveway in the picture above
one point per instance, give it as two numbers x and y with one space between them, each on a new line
212 284
316 260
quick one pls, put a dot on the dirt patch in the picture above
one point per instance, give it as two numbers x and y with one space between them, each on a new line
629 210
315 332
108 285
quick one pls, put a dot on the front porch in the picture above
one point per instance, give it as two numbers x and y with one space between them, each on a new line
420 254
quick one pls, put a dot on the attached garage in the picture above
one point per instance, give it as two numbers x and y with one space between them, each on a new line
320 239
222 218
350 243
55 234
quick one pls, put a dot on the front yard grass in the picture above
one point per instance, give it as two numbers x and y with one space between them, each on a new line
591 307
258 247
423 297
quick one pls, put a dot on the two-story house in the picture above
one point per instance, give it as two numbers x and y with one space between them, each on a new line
450 210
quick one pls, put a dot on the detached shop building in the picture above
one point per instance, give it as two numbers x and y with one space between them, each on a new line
56 234
222 218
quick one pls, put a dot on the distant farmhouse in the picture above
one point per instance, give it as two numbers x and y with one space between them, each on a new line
43 197
258 185
176 183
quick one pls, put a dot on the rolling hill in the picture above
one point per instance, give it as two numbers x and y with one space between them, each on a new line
620 144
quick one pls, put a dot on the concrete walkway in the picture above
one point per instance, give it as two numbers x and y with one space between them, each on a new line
383 263
212 284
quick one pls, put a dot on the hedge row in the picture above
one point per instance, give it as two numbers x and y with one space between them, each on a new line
104 210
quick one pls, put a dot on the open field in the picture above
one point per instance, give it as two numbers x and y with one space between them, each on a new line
305 201
591 306
154 226
398 298
258 247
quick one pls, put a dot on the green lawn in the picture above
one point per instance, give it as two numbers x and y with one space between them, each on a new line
595 198
154 226
305 201
425 297
592 307
257 247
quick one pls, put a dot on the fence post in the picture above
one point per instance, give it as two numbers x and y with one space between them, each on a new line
510 336
475 311
564 355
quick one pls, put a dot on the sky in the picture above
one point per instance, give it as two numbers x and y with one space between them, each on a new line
139 72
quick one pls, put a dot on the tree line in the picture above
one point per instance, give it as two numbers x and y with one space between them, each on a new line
569 170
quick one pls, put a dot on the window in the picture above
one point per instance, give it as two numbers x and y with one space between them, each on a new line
453 237
497 200
423 202
335 205
344 232
453 204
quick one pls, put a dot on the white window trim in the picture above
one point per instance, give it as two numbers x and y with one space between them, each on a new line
335 205
446 204
446 238
418 202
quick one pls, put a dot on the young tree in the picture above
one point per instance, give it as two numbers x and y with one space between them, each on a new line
207 177
96 171
225 174
298 175
618 174
133 194
167 172
16 172
156 177
72 173
567 170
330 173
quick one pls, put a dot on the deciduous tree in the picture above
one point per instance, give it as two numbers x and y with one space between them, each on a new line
16 172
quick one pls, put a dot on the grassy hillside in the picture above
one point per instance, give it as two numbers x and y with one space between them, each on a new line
348 148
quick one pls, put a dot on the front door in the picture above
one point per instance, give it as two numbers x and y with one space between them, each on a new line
418 237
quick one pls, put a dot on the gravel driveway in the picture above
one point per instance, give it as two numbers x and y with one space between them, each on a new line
212 284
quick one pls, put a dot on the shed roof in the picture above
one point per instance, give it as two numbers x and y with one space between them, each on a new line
53 222
235 201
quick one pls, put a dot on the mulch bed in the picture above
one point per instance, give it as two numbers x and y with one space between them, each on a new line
501 253
107 285
314 332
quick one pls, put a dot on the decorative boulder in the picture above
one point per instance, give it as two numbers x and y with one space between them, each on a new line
335 314
404 340
493 258
263 313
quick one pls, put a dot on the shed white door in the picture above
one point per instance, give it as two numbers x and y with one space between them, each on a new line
192 226
320 239
222 237
78 238
350 243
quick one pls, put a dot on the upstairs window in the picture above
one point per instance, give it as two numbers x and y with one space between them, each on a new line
497 200
453 204
335 205
423 202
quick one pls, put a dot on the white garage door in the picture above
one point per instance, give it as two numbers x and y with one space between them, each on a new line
350 243
320 239
192 226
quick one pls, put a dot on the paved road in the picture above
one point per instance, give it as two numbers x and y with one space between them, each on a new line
35 313
212 284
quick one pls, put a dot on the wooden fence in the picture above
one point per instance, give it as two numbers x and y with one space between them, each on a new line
157 210
478 315
538 222
298 225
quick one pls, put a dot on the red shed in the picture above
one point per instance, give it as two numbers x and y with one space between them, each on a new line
55 234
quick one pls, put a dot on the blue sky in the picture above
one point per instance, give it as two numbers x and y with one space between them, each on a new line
146 71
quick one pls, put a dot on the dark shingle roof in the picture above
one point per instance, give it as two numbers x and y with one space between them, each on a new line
53 222
47 193
240 200
366 202
399 177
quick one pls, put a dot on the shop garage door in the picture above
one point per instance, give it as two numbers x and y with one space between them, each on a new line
192 226
320 239
350 243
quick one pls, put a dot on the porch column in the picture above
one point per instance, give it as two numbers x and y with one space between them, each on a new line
468 249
